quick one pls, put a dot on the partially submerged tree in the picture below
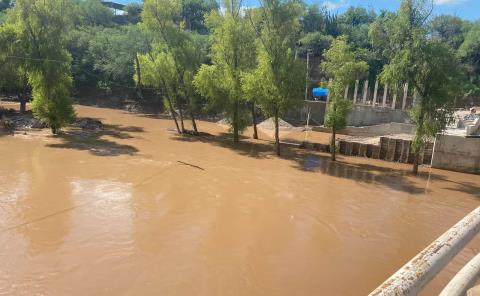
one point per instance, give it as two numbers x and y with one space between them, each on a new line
341 65
278 80
233 53
41 27
162 20
13 72
428 65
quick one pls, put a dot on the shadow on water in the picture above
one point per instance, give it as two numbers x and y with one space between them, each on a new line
225 140
309 162
466 187
94 140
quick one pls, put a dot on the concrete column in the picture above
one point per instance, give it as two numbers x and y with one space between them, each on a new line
385 92
365 91
375 93
346 92
415 94
355 92
405 93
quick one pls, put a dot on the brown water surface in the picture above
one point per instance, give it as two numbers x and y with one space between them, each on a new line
136 210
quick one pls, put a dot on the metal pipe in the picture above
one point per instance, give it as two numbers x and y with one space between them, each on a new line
464 279
414 275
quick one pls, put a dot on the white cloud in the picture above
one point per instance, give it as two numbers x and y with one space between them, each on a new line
331 5
447 2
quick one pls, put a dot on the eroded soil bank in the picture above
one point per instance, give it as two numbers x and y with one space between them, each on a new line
133 209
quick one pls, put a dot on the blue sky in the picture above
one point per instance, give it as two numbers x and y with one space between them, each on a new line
468 9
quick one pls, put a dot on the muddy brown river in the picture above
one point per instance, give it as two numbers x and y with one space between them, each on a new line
136 210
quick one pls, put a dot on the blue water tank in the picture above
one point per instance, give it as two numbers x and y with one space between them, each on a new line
320 92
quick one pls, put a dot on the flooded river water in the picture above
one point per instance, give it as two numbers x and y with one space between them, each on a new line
135 210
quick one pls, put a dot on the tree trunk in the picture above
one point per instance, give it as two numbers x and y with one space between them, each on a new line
333 148
194 124
254 121
23 102
415 163
418 149
277 137
139 77
181 118
170 105
235 123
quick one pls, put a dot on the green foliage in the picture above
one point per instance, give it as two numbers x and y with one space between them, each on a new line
133 11
469 53
315 43
429 65
233 53
278 78
341 65
92 13
12 70
314 19
449 29
41 27
194 12
182 48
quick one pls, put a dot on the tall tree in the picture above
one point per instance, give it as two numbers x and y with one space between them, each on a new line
428 65
341 65
41 26
162 19
278 79
469 53
449 29
233 53
13 75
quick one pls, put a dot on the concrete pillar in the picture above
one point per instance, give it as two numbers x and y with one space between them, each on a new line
346 92
355 92
405 93
385 92
415 94
365 92
374 102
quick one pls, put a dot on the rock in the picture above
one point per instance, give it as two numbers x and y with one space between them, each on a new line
88 123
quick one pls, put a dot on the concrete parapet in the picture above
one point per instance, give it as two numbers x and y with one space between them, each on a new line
457 153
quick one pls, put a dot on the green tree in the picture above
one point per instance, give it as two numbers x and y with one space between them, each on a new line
469 53
428 65
13 77
341 65
194 13
162 19
133 10
278 80
92 13
314 19
233 53
41 27
449 29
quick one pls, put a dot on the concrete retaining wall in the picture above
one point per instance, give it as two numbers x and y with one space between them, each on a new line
457 154
366 115
373 130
